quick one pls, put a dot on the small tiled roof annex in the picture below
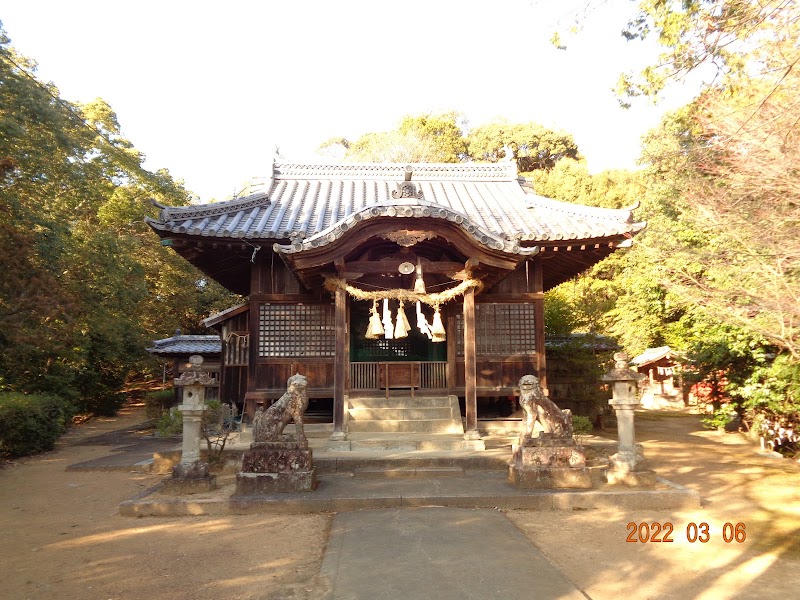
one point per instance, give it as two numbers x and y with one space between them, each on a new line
651 355
187 344
313 205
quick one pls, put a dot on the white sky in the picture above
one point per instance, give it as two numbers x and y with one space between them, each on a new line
209 89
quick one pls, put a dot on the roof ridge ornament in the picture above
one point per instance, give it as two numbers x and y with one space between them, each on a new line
407 188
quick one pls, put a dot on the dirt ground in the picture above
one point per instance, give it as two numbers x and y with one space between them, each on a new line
62 537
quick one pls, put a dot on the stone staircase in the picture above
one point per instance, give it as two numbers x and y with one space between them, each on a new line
404 414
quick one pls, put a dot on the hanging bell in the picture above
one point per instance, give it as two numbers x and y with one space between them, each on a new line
375 328
422 322
401 327
388 326
437 327
419 283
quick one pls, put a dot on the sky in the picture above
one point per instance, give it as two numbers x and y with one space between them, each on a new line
210 90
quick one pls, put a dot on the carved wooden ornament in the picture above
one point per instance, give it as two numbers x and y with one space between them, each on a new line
408 238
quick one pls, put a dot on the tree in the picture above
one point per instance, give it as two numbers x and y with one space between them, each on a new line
569 180
715 275
722 35
84 284
535 147
422 138
442 138
733 236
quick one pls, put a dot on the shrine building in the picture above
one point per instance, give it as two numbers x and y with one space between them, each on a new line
425 280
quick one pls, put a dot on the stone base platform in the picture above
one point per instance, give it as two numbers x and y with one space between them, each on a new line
547 479
282 467
476 489
179 487
190 478
643 478
548 462
270 483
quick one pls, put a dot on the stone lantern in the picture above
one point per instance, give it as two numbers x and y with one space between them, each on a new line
627 465
191 474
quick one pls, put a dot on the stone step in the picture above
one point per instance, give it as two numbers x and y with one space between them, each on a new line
435 442
400 426
467 461
400 414
403 402
407 472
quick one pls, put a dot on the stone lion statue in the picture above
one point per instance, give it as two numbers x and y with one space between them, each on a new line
539 407
268 425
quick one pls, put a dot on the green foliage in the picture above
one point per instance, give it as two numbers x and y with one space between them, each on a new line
715 274
31 423
158 402
170 423
535 147
441 138
582 425
569 180
720 418
560 315
725 36
581 360
85 287
442 133
422 138
771 390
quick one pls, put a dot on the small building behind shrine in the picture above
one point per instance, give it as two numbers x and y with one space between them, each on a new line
175 352
383 280
662 388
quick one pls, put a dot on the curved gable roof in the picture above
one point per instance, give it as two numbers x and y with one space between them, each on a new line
317 203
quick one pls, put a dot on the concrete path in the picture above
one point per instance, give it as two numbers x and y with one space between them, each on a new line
442 553
133 448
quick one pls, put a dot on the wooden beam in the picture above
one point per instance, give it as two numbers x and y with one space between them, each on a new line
340 266
392 266
509 298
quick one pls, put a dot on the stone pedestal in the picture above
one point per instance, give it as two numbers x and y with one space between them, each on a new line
189 478
548 462
628 467
276 467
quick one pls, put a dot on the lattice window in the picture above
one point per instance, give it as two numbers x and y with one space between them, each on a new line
296 330
383 349
500 329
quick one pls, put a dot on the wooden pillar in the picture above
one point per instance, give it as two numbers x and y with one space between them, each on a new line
251 396
470 374
451 373
538 316
340 366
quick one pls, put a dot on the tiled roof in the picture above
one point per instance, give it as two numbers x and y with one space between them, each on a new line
651 355
217 318
187 344
313 205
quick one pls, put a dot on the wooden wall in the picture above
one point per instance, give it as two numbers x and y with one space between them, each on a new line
272 283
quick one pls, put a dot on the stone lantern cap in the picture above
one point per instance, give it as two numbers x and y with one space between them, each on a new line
196 375
621 372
